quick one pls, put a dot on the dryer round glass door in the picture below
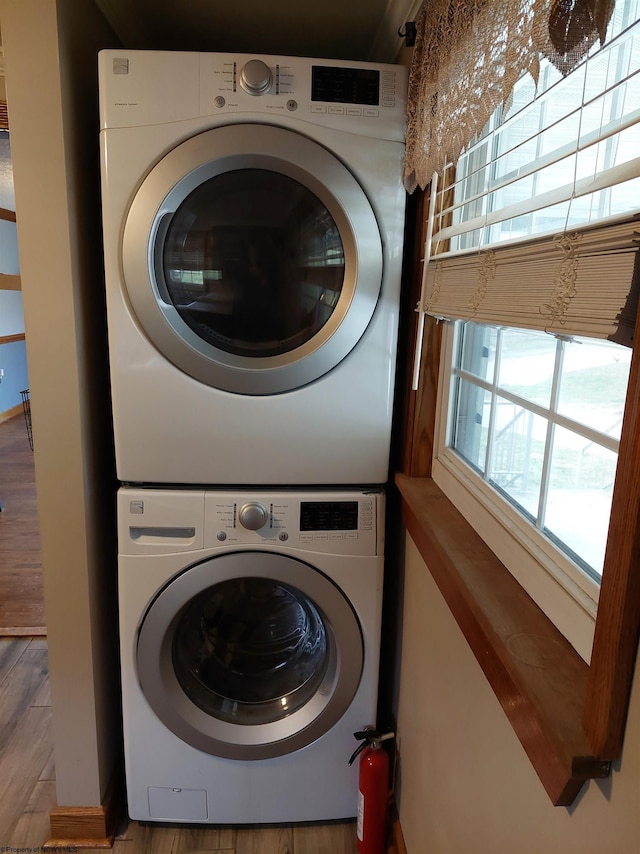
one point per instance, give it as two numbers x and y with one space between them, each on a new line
250 655
252 258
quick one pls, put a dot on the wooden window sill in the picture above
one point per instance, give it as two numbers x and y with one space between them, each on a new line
537 676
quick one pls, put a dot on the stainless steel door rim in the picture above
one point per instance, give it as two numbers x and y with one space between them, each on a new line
241 147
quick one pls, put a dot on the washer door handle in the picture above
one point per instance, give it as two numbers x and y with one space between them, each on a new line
159 533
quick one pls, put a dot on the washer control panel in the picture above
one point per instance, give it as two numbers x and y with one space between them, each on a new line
339 521
324 521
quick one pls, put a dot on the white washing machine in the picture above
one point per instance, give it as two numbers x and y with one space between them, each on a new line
250 635
253 215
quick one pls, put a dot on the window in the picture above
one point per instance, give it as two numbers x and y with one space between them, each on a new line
558 156
528 448
537 233
538 418
579 284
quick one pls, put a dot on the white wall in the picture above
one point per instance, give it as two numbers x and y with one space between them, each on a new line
13 359
8 248
11 316
466 785
50 49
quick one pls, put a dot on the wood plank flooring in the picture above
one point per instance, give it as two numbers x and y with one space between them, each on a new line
333 838
27 790
21 593
27 782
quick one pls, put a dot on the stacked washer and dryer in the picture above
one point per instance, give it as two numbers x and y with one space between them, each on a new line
253 216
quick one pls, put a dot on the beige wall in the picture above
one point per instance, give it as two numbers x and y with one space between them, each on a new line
466 785
50 54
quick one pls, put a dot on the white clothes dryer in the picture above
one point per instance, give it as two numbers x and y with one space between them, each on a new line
253 214
250 636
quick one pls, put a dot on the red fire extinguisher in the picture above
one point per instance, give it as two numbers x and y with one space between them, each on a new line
373 794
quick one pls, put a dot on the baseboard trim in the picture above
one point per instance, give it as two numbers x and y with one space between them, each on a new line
96 827
75 843
11 413
88 827
23 631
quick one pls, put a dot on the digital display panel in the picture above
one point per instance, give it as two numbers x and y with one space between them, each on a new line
329 516
345 85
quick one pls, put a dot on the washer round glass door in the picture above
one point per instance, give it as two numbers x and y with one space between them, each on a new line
250 655
252 258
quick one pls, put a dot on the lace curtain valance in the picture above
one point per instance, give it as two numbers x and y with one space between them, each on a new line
467 58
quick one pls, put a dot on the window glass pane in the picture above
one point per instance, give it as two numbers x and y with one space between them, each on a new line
478 355
623 14
565 130
594 382
579 496
616 200
527 362
471 422
561 480
543 221
517 454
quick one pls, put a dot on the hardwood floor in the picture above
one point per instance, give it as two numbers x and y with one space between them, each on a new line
27 782
21 594
338 838
27 790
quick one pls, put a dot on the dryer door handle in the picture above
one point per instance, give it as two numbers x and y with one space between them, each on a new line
161 226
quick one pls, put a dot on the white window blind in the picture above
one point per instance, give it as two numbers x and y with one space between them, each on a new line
578 283
515 240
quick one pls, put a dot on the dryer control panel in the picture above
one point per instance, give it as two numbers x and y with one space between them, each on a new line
340 521
140 88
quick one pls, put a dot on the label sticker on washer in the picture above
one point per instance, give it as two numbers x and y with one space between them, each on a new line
120 65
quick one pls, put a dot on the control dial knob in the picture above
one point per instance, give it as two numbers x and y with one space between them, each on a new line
253 516
256 77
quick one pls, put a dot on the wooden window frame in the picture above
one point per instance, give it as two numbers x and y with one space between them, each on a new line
569 716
